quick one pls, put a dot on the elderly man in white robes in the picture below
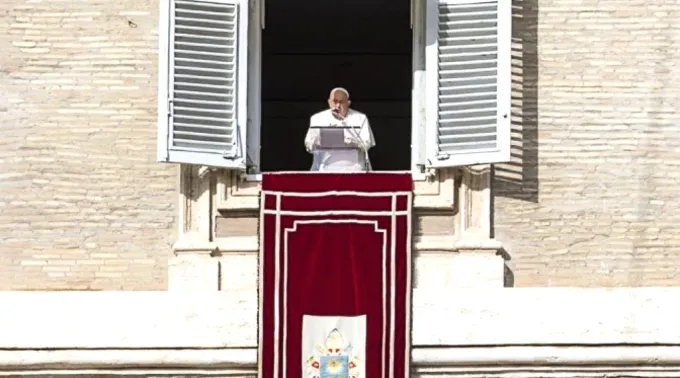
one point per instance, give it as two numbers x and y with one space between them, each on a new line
358 136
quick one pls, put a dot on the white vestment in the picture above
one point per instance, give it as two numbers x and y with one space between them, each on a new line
343 160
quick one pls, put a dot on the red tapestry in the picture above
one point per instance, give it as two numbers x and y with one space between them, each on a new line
335 275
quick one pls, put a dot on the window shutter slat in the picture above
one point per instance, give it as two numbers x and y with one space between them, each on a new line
469 82
202 87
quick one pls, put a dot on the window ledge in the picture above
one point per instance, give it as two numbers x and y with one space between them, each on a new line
236 244
421 243
417 175
431 191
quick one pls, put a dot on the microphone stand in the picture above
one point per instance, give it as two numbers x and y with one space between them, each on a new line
362 146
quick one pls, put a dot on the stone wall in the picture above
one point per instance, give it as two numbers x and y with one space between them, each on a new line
589 199
450 246
591 196
83 204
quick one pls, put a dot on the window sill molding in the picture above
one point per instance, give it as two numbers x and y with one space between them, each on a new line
189 245
206 194
234 193
250 244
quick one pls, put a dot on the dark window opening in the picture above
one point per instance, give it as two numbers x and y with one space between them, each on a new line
310 47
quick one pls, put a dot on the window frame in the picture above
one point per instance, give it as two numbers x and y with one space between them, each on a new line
418 116
424 120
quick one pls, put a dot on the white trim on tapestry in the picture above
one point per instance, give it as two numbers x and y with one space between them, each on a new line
260 279
277 253
336 221
335 193
393 281
336 212
384 304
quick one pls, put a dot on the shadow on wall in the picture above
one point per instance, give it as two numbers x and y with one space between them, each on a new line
508 275
518 179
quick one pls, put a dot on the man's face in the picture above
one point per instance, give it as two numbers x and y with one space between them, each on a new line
339 102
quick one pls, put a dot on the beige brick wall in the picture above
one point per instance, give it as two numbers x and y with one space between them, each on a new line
83 204
591 198
588 200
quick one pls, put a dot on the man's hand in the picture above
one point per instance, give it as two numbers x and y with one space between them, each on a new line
354 141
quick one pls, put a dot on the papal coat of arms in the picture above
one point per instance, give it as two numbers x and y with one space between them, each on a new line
333 359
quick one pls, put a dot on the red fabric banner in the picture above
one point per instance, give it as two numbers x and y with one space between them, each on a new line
335 275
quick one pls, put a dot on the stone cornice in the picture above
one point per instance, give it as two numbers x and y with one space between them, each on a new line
441 318
504 333
513 361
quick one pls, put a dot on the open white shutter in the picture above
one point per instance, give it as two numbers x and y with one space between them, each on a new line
202 92
468 82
